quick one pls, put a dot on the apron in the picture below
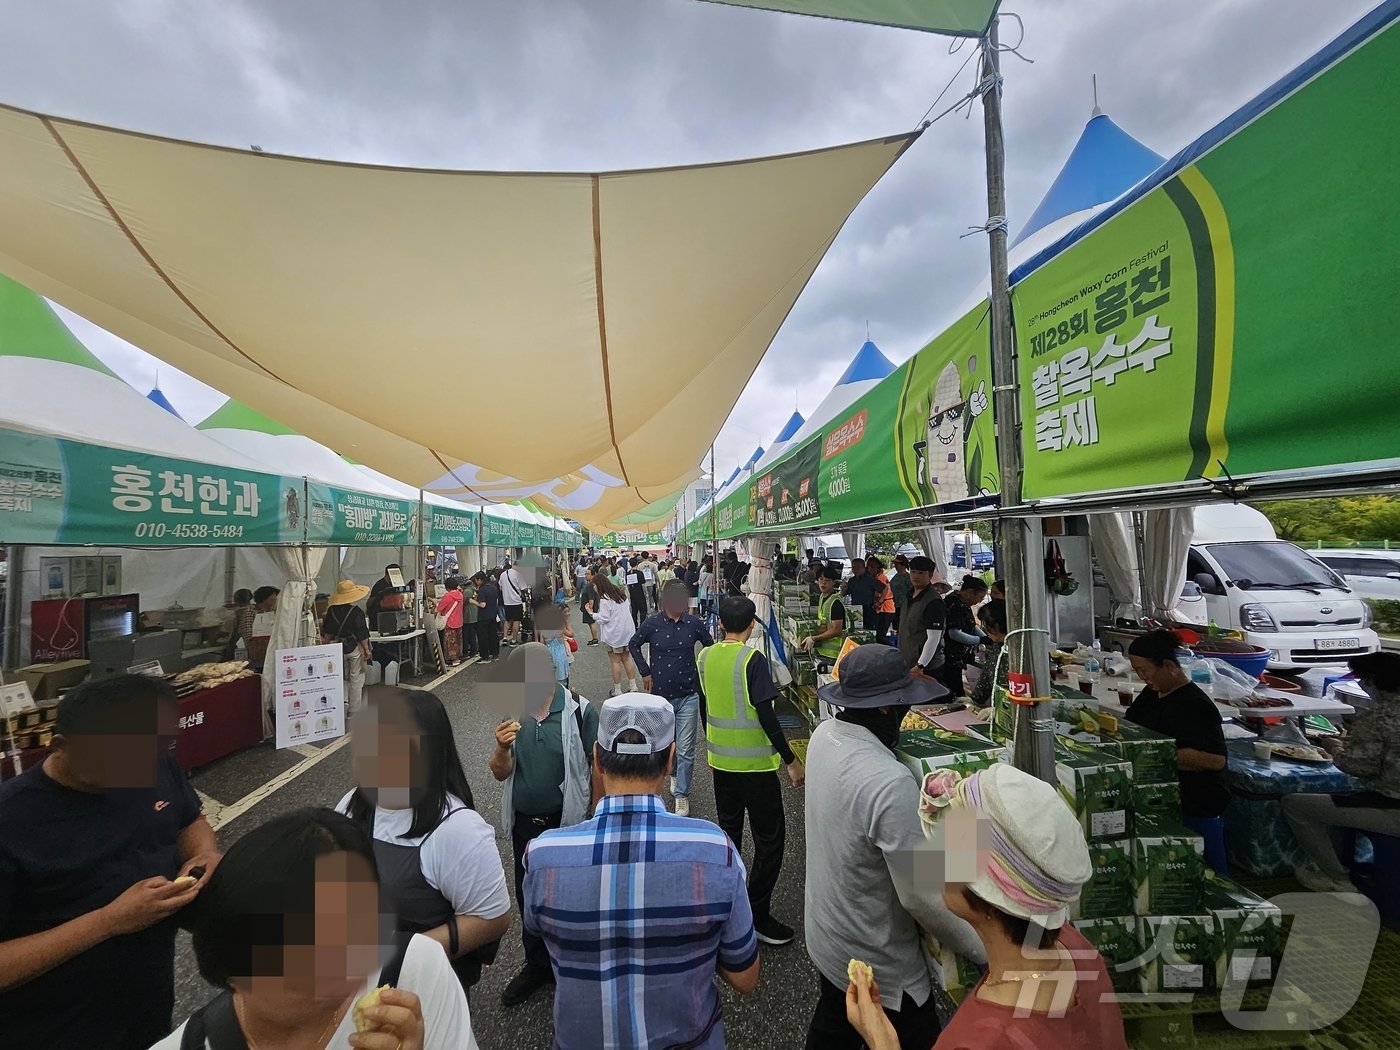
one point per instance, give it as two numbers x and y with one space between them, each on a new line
419 906
911 633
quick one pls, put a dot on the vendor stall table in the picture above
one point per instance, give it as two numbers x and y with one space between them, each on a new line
397 641
1105 695
1257 836
219 721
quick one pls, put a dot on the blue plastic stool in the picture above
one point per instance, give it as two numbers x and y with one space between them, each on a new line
1386 874
1212 829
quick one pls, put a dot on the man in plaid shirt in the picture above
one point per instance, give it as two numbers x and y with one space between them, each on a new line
638 907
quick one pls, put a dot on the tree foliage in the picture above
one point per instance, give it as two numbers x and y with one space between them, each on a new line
1340 522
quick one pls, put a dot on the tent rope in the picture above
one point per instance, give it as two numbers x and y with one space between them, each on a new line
992 225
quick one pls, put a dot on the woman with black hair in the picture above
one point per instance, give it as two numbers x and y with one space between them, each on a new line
1173 705
1370 751
292 926
437 857
992 617
962 635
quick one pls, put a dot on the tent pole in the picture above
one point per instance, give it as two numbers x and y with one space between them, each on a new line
14 578
1028 644
714 520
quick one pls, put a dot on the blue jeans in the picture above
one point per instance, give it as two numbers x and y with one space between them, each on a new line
687 710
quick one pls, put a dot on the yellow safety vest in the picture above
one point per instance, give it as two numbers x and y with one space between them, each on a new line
737 741
831 647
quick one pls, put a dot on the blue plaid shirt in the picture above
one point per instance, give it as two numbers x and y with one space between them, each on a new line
638 907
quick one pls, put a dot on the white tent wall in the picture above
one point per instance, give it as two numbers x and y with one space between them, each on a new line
1111 536
1166 542
255 567
854 542
190 576
935 545
295 623
365 565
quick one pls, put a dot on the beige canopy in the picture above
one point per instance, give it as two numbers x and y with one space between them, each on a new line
579 338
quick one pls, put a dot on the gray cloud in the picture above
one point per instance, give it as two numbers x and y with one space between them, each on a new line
607 84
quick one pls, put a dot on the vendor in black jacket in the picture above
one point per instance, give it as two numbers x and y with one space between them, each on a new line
1173 706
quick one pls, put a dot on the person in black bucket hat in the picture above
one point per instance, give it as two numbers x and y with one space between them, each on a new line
862 829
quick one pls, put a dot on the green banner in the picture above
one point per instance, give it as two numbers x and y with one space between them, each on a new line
346 516
447 527
527 534
58 491
624 540
921 437
1235 319
498 532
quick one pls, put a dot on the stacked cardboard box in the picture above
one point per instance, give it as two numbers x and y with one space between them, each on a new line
924 751
1111 890
1248 929
1179 951
1118 942
1169 868
1097 787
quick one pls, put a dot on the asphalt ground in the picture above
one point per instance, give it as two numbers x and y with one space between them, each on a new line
775 1016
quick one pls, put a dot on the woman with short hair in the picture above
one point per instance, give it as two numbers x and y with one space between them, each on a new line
616 628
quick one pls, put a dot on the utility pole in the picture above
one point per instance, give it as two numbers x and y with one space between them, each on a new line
1028 649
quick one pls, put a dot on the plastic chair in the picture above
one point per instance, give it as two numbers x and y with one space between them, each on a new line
1212 830
1386 876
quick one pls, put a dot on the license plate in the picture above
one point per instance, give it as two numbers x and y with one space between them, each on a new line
1324 644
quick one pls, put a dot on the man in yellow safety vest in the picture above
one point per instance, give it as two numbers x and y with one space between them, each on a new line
831 618
746 747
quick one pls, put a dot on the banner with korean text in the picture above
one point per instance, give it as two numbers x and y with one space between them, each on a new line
1235 318
364 519
448 527
58 491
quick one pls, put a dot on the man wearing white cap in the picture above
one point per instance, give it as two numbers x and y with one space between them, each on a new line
863 829
639 908
1015 887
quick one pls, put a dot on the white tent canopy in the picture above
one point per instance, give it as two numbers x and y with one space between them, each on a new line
284 282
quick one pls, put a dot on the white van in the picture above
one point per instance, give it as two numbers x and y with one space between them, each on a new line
1278 595
1371 574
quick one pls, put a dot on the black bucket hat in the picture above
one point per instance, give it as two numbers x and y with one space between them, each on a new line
874 675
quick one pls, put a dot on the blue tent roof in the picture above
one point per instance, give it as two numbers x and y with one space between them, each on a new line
729 480
1104 163
791 427
868 363
757 455
157 397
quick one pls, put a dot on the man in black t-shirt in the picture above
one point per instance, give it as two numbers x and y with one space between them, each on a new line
92 844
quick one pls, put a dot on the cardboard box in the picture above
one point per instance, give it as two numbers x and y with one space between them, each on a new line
1096 786
1117 940
1249 932
1168 869
1157 802
959 975
861 637
804 671
46 681
923 752
1153 755
1180 951
1111 890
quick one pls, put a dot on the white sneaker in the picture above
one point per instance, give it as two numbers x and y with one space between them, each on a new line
682 806
613 691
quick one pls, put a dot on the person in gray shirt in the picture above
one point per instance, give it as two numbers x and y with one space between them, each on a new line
871 879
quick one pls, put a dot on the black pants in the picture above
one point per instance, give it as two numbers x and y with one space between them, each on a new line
488 636
471 633
521 833
639 607
916 1026
760 795
951 675
883 622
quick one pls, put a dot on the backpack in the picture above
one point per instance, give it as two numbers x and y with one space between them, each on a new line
217 1024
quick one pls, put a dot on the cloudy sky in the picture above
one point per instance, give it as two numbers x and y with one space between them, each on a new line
604 84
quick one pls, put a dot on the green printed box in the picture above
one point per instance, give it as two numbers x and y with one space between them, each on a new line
1157 802
923 752
1096 787
1249 930
1153 755
1117 940
861 637
1180 953
804 671
1168 868
1110 890
799 627
960 974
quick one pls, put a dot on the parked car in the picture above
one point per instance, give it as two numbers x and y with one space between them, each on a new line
1370 574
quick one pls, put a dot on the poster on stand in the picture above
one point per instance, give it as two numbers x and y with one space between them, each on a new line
310 695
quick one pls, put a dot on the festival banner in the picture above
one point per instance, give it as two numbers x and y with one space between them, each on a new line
1233 320
922 437
625 540
58 491
527 534
498 532
447 527
345 516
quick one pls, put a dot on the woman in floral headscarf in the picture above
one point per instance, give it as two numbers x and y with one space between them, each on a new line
1015 861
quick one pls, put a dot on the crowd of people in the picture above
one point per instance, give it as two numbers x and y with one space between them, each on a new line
370 923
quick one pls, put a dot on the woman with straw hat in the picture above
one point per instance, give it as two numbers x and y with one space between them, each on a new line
345 622
1015 860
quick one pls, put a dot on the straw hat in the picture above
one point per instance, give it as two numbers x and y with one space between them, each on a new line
347 592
